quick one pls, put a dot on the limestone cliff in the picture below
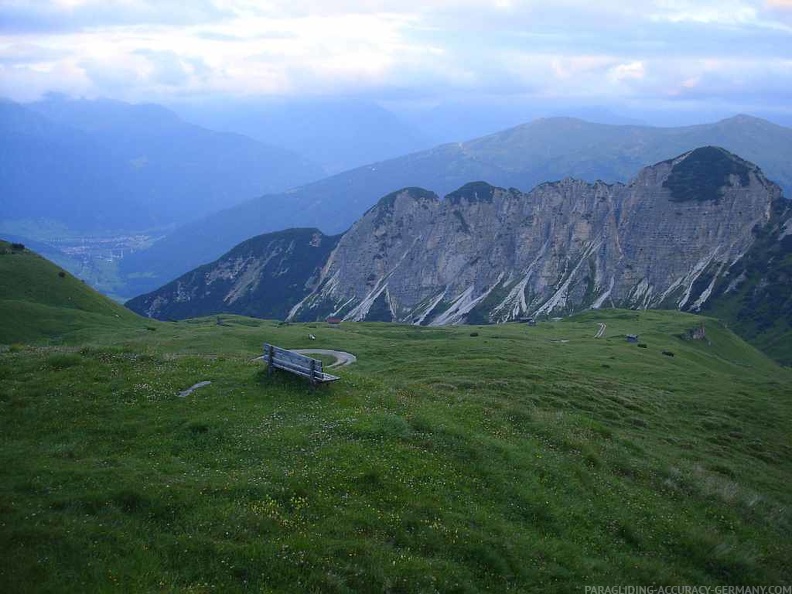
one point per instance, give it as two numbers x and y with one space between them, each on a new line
487 254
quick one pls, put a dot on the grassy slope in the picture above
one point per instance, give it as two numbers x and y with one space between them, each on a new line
37 302
506 461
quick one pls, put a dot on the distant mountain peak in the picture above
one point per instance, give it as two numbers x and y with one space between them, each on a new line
744 118
385 206
414 193
101 165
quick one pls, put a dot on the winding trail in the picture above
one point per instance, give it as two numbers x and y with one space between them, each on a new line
342 358
601 332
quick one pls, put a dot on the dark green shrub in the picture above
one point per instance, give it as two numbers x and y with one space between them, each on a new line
63 361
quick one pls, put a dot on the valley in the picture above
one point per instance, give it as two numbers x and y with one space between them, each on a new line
107 248
95 259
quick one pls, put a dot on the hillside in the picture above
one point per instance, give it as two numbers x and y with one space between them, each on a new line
475 459
105 165
521 157
40 302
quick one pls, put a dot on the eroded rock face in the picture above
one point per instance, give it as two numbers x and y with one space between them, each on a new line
486 254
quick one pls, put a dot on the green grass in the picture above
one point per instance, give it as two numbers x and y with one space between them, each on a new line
441 462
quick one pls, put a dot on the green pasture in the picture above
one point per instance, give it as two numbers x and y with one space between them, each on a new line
457 459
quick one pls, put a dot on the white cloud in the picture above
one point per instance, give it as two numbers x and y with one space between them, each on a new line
722 12
631 71
146 50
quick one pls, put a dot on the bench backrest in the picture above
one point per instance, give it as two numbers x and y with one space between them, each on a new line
276 357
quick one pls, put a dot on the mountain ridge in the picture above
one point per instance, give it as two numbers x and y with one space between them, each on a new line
485 254
109 165
520 157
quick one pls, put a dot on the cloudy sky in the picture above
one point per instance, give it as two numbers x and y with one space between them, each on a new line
705 52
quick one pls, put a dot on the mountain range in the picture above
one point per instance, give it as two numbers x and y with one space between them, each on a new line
104 165
339 134
681 233
520 157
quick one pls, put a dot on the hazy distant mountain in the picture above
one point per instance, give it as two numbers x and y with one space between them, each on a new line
111 165
52 171
337 133
459 121
703 225
520 157
454 121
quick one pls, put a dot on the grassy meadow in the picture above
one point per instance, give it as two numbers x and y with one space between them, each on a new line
457 459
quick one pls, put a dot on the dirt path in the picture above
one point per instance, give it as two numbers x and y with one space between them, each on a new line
342 358
601 332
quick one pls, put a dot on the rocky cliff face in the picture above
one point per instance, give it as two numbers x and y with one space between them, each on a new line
486 254
754 297
264 277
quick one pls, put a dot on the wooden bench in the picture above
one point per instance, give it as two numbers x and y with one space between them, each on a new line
278 358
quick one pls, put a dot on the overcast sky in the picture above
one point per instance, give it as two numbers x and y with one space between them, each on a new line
726 52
